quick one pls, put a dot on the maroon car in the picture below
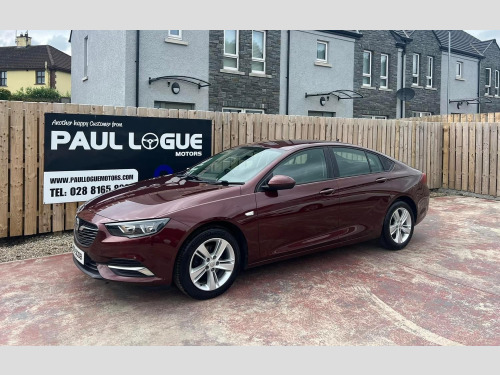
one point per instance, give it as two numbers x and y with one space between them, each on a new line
244 207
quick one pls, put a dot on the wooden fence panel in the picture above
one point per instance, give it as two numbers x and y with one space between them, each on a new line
493 159
4 169
453 141
458 156
30 168
472 155
446 154
486 158
479 158
465 155
16 168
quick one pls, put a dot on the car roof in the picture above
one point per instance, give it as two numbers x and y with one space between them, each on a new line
292 145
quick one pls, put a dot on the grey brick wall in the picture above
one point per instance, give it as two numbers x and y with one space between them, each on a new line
244 91
425 43
491 60
376 101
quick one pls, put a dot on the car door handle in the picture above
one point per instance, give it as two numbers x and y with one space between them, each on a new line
381 179
327 191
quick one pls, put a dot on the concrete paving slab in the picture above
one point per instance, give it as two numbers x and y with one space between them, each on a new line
443 289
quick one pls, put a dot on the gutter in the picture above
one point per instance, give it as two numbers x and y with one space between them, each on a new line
288 72
137 69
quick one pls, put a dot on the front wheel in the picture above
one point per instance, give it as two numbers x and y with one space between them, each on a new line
208 264
398 226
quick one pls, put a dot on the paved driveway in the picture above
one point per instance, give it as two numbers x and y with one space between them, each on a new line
443 289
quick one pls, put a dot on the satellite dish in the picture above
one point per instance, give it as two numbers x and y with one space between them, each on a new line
405 94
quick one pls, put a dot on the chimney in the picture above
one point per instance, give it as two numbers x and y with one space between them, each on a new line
23 40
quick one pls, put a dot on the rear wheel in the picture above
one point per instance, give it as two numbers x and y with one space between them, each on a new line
208 264
398 226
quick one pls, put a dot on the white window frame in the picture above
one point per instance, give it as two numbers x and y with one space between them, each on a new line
325 61
85 57
230 55
460 66
430 72
3 76
369 75
257 59
415 64
242 110
487 84
420 114
173 36
386 77
373 117
497 83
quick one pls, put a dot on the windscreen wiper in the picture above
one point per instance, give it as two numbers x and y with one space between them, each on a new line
227 183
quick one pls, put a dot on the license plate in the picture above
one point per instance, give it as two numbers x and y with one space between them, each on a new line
78 254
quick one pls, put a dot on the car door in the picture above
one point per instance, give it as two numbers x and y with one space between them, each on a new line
363 191
305 216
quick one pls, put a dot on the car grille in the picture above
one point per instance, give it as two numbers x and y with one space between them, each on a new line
90 264
85 232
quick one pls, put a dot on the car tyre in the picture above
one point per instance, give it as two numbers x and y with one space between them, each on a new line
207 264
399 223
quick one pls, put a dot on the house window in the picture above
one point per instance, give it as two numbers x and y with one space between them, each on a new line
173 105
231 49
242 110
40 77
497 82
416 69
367 68
3 78
374 117
175 34
487 86
460 66
321 114
420 114
85 56
322 52
258 51
384 70
430 69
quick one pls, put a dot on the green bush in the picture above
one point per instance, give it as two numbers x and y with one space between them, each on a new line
37 94
5 94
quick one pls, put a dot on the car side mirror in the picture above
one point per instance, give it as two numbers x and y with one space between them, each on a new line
280 182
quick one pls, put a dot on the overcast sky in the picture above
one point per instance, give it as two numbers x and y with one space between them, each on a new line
59 38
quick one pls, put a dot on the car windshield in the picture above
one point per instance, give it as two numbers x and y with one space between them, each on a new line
237 165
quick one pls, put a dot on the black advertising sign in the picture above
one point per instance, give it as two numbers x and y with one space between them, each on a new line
87 155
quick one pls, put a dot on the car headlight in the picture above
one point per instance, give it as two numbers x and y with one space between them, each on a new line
139 228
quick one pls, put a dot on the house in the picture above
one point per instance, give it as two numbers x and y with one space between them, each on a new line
463 80
146 68
317 75
26 66
489 78
343 73
244 71
377 73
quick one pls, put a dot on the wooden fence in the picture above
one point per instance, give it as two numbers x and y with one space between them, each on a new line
22 212
471 157
470 117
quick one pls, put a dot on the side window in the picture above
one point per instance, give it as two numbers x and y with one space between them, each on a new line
375 164
387 163
304 167
351 162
